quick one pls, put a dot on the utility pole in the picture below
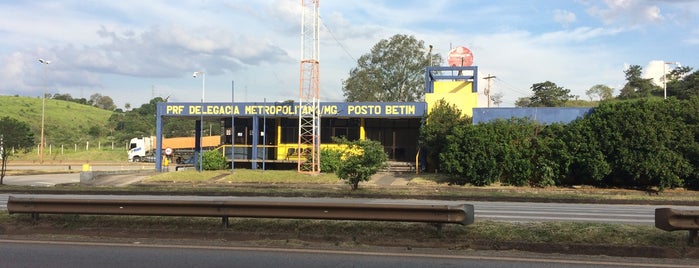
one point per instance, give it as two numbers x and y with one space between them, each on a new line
487 90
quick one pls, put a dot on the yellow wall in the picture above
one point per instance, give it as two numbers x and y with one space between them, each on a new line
459 93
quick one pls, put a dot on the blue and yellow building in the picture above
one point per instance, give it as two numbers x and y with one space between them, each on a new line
267 132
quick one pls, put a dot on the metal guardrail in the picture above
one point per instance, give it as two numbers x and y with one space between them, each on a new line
246 208
669 219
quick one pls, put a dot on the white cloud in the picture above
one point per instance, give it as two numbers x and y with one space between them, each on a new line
129 49
627 12
564 17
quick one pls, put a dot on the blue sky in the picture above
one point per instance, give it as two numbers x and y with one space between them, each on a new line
133 51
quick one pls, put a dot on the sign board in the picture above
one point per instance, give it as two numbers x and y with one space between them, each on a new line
332 109
168 151
460 56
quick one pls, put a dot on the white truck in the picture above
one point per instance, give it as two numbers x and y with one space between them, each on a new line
142 149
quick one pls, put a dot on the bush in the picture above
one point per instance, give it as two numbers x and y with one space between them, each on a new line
213 160
643 141
441 122
467 157
360 159
330 160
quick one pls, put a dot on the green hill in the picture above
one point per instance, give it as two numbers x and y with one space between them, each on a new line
66 123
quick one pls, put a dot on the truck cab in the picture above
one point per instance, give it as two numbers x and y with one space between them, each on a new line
140 149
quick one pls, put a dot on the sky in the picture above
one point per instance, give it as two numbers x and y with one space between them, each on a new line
133 51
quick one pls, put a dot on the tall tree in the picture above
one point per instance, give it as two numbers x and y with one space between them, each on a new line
15 135
636 86
441 121
601 92
102 102
393 71
682 84
548 94
138 122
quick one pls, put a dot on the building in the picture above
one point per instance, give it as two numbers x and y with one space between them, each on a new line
267 132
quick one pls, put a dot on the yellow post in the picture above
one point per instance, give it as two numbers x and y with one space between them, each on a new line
362 132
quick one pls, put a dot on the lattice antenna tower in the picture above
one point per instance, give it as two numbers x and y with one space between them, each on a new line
309 108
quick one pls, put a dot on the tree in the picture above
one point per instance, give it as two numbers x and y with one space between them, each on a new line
441 122
523 102
548 94
393 71
102 102
65 97
681 85
360 160
637 87
496 99
602 92
138 122
15 135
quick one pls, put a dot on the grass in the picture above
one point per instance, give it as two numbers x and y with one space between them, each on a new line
94 154
277 182
245 176
66 123
358 232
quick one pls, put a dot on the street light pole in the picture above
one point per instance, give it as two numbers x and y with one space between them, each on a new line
665 76
201 120
43 111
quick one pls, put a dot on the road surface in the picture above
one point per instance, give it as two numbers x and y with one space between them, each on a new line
55 177
105 255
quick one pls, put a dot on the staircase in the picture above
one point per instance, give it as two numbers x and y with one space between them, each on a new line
398 167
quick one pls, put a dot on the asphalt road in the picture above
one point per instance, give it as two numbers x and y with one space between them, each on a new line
52 179
104 255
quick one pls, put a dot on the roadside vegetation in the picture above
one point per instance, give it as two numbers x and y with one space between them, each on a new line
646 144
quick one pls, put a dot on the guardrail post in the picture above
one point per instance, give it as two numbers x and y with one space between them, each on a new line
225 222
692 237
669 219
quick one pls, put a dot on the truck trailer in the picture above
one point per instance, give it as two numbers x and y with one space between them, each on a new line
143 149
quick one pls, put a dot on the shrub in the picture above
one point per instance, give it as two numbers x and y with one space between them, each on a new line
360 159
213 160
330 160
441 122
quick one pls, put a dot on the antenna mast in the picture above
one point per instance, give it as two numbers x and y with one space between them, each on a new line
309 108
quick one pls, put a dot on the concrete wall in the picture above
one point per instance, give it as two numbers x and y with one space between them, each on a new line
459 93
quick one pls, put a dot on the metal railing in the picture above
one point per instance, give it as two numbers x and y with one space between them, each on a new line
250 207
669 219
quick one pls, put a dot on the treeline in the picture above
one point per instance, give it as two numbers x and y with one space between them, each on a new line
682 83
140 122
640 143
96 100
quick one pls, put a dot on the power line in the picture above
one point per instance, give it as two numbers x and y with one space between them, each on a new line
336 40
510 86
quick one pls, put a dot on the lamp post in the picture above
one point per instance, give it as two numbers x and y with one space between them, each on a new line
43 111
201 120
665 64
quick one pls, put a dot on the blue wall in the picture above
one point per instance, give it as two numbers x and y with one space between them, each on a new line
545 115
